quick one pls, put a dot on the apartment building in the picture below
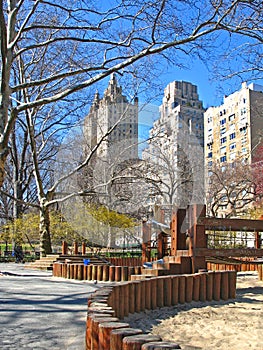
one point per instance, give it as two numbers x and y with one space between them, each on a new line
233 133
115 120
176 145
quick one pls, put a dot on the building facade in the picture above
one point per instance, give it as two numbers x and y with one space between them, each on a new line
113 122
176 145
232 135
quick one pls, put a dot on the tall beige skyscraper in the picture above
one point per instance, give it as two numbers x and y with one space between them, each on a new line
176 145
111 134
115 120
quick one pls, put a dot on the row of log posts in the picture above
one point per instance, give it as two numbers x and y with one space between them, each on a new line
104 273
108 306
156 292
237 267
65 248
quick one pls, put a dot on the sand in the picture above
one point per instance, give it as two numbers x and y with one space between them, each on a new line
235 324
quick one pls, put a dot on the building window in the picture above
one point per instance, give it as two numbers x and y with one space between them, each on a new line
232 136
231 117
232 146
223 140
223 150
222 121
223 159
243 111
232 156
223 131
210 155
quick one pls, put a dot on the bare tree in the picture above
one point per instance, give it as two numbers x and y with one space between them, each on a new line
76 44
231 189
247 50
50 52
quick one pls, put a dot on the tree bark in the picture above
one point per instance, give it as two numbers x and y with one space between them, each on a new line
44 230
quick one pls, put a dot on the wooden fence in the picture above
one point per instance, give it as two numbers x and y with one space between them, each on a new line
105 329
104 273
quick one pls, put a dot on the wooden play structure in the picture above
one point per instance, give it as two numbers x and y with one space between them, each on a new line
187 252
189 242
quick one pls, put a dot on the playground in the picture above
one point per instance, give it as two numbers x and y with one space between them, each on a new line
234 324
191 279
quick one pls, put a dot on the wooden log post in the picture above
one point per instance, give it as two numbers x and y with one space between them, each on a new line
105 273
94 272
124 273
175 290
100 272
117 336
167 291
76 271
64 270
196 287
160 292
189 288
89 272
138 296
134 342
224 290
112 273
71 271
57 269
85 272
83 248
209 285
75 248
89 324
153 286
126 299
181 296
118 273
217 285
162 345
132 297
232 279
148 304
80 272
143 294
64 248
105 329
96 320
202 286
122 301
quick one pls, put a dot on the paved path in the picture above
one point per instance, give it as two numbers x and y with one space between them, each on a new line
40 312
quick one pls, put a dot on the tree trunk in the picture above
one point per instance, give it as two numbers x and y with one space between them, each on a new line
44 230
3 156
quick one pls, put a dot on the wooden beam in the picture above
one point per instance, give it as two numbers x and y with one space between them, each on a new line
235 252
222 224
